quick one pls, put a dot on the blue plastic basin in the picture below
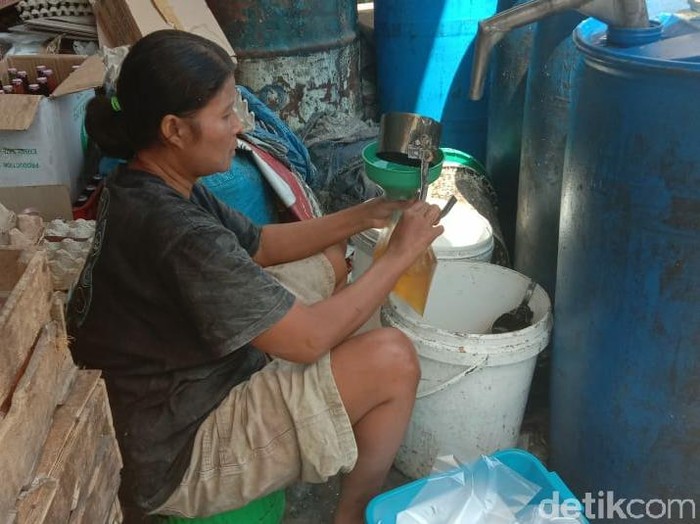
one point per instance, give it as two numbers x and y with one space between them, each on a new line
384 508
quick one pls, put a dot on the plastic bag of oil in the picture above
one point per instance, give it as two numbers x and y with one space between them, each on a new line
414 284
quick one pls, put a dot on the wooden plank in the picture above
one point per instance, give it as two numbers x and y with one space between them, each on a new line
23 430
116 516
102 489
33 505
72 447
58 307
23 314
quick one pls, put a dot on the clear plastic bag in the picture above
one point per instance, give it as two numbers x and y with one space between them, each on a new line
414 284
484 492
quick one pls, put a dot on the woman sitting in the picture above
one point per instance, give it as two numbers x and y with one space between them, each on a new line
228 350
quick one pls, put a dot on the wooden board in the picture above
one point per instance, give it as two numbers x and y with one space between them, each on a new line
58 306
116 516
81 429
24 428
98 499
24 312
34 504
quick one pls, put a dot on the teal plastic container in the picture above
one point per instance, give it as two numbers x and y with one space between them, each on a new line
265 510
384 508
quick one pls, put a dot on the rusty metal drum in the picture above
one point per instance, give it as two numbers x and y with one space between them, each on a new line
298 57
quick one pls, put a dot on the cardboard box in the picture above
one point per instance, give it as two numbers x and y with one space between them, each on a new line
40 137
51 202
123 22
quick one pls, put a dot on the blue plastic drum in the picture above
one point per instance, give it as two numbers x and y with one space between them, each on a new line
626 363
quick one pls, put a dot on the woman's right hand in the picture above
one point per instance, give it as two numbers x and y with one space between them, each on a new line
415 231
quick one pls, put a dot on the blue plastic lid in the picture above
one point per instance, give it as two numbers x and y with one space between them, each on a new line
670 42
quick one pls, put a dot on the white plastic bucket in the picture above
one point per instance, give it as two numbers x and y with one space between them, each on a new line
467 236
474 386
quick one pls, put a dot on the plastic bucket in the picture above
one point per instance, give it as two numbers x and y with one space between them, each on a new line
467 236
474 385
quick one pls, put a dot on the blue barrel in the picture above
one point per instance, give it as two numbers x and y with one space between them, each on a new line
626 363
424 62
544 135
545 125
509 66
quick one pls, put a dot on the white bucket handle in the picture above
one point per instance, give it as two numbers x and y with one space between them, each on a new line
444 385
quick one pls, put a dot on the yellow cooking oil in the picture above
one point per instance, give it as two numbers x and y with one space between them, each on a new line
413 285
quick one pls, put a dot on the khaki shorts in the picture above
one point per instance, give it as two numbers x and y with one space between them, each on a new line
286 423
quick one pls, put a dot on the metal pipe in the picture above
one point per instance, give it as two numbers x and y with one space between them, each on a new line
621 13
492 30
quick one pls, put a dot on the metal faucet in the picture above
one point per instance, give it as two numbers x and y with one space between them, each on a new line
619 13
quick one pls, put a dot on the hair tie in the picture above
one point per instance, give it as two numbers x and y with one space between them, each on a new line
115 104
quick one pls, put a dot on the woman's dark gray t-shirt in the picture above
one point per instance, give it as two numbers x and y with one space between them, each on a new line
166 306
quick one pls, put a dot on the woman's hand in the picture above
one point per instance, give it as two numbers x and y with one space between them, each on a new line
377 212
415 231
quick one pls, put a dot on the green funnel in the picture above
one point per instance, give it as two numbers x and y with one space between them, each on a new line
399 181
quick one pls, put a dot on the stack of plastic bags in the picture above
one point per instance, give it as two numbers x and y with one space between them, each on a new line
484 492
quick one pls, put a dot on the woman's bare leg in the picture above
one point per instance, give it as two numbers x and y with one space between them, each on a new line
336 255
377 374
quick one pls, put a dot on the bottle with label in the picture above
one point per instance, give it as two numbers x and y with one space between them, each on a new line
413 285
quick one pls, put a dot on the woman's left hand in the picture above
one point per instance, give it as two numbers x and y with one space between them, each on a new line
377 212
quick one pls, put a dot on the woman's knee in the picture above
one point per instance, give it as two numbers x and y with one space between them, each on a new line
336 255
397 355
370 369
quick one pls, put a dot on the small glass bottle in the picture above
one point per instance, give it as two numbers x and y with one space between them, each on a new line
51 79
25 79
40 71
12 73
80 201
18 86
89 190
43 85
34 89
8 89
